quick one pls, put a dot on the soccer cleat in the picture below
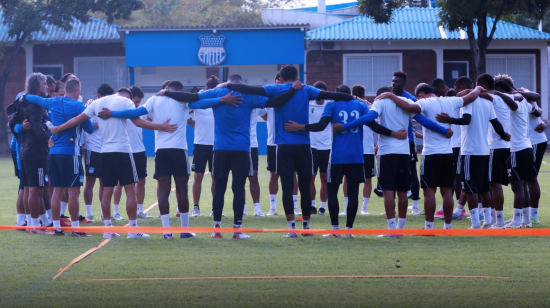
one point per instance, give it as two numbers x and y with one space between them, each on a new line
216 235
291 235
415 211
487 226
512 225
117 217
90 218
457 217
21 229
297 211
40 231
377 192
58 233
138 235
321 211
241 236
529 225
187 235
259 213
178 214
272 212
331 235
348 236
196 211
344 213
80 234
168 236
390 235
474 227
364 212
307 234
110 235
422 212
143 216
212 213
84 220
439 214
495 226
534 220
313 210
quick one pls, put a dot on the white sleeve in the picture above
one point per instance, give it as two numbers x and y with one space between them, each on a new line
468 109
492 114
90 110
456 102
149 105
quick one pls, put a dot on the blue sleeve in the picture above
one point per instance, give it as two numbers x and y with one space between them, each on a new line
18 128
369 117
272 89
204 103
327 112
258 101
313 92
45 103
213 93
87 126
429 124
130 113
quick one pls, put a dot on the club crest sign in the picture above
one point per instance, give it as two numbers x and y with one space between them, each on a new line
212 52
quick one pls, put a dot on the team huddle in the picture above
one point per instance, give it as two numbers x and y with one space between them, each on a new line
476 138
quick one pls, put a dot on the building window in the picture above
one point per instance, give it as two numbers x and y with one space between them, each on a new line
95 71
371 70
54 70
520 67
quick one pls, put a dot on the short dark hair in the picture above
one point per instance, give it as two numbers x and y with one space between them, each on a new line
175 84
164 84
105 90
320 85
289 73
502 84
137 91
437 82
464 81
235 78
125 91
58 86
487 80
401 74
506 78
195 90
382 90
66 77
212 82
72 85
358 90
451 92
278 76
424 88
343 89
50 80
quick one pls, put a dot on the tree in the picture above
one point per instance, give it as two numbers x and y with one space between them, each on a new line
466 15
27 18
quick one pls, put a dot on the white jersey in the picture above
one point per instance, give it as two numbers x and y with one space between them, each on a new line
319 140
256 112
165 108
395 119
114 136
136 136
93 140
519 127
435 143
535 137
474 136
503 115
204 126
270 126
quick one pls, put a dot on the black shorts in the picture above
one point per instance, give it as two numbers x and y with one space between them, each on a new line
436 170
66 170
498 168
294 158
14 158
538 154
353 172
171 162
475 173
202 154
412 150
255 158
93 162
238 162
520 165
394 172
320 160
272 158
118 168
21 185
369 166
456 160
140 160
35 173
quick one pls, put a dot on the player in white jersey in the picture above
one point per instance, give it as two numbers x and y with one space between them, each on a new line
116 157
254 183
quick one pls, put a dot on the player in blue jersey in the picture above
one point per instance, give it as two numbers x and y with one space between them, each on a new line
346 156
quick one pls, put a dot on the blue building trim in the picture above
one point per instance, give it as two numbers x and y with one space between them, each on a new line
132 76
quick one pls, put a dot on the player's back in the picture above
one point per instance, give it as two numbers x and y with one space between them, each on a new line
162 108
114 137
474 136
347 147
395 119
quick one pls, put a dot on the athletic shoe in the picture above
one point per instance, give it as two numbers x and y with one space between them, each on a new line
22 229
178 214
348 236
245 211
529 225
313 210
90 218
259 213
64 223
331 235
138 235
143 216
410 207
187 235
457 217
487 226
344 213
297 211
512 225
364 212
377 192
58 233
117 217
474 227
84 220
534 220
321 211
64 218
216 235
40 231
390 235
415 211
272 212
307 234
291 235
80 234
423 212
196 211
110 235
495 226
241 236
168 236
211 213
439 214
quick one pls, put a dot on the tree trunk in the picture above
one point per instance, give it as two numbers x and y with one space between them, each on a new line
474 53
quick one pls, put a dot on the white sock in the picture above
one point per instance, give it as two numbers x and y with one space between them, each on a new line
57 225
107 223
115 209
313 204
35 222
534 212
291 224
217 224
75 224
28 219
391 223
257 207
474 216
133 223
165 220
517 216
487 215
493 216
415 204
335 227
401 223
63 207
446 226
273 201
45 220
479 205
525 217
89 210
323 205
305 224
20 219
295 199
428 225
459 209
365 203
500 218
348 228
140 208
184 219
49 212
346 201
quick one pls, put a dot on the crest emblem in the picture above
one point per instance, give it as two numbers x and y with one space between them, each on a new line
212 52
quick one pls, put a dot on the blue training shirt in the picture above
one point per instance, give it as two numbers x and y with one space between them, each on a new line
62 109
295 110
347 147
232 124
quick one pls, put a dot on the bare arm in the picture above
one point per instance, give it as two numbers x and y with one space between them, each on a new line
413 108
508 100
165 127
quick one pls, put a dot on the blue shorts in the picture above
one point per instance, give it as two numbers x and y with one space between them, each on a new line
66 170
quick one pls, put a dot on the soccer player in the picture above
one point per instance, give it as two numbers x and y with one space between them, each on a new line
254 184
65 161
293 148
232 144
116 153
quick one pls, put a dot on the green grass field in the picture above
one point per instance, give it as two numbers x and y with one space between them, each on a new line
29 263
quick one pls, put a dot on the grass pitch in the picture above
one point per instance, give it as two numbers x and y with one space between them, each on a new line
29 262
